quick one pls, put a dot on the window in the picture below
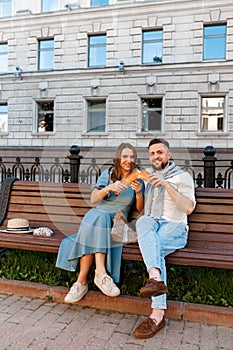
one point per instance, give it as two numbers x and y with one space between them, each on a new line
5 8
45 116
214 42
212 113
151 114
95 3
46 54
97 51
3 58
3 117
152 46
96 115
49 5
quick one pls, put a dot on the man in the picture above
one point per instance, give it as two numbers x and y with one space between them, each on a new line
169 198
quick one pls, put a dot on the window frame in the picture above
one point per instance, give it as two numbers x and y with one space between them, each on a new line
224 122
4 8
150 41
5 54
37 115
43 50
215 36
94 46
95 100
7 115
151 131
99 1
45 3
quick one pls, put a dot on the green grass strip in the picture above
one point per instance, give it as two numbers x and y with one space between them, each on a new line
208 286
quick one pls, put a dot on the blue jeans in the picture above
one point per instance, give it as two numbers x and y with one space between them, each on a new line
157 239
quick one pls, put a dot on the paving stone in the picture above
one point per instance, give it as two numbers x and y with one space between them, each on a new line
34 304
20 315
127 324
37 325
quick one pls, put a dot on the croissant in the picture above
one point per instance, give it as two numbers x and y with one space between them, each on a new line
143 175
137 174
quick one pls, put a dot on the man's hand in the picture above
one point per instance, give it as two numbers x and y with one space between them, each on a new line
181 201
156 180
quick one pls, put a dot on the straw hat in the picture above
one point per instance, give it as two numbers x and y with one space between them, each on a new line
18 225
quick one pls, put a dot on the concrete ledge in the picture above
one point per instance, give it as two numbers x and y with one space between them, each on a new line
217 315
214 315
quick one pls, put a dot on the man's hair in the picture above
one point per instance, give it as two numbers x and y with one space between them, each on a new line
154 141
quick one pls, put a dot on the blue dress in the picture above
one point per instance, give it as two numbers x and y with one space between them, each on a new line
94 233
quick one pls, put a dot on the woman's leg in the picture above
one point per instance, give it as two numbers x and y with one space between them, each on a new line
80 287
102 280
85 265
100 264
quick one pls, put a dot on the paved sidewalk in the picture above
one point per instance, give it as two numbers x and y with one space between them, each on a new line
28 323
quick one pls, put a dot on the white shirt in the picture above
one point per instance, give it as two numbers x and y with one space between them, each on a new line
183 183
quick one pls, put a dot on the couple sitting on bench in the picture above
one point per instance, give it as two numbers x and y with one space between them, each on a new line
169 198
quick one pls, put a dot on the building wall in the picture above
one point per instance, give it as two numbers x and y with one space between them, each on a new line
180 80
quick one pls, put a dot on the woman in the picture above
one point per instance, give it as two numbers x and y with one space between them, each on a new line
93 240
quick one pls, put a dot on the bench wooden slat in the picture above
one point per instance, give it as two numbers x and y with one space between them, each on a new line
38 200
213 200
210 227
51 210
210 246
214 193
30 242
50 186
215 208
213 218
59 228
45 218
210 237
189 257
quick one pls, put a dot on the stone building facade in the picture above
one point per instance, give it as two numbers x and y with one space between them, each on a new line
82 73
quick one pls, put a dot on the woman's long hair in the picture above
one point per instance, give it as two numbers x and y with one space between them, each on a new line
116 171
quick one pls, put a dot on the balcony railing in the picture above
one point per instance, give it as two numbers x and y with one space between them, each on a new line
207 172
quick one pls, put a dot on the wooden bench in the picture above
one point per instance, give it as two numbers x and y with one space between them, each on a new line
61 207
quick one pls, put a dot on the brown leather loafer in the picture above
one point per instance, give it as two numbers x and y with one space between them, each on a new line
148 328
153 288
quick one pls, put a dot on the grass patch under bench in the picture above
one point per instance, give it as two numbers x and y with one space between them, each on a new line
200 285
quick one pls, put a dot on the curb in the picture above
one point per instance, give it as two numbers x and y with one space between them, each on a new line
215 315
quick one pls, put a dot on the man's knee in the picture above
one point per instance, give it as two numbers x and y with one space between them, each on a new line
144 224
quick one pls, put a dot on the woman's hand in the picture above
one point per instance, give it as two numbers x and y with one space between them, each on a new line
117 187
136 186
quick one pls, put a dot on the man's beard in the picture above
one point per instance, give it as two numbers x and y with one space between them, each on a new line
161 167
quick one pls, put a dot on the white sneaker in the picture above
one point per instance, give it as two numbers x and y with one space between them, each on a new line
76 292
107 286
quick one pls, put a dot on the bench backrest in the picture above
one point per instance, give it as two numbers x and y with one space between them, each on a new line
62 207
59 206
212 219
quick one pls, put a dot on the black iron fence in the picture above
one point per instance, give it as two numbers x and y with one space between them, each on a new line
206 172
